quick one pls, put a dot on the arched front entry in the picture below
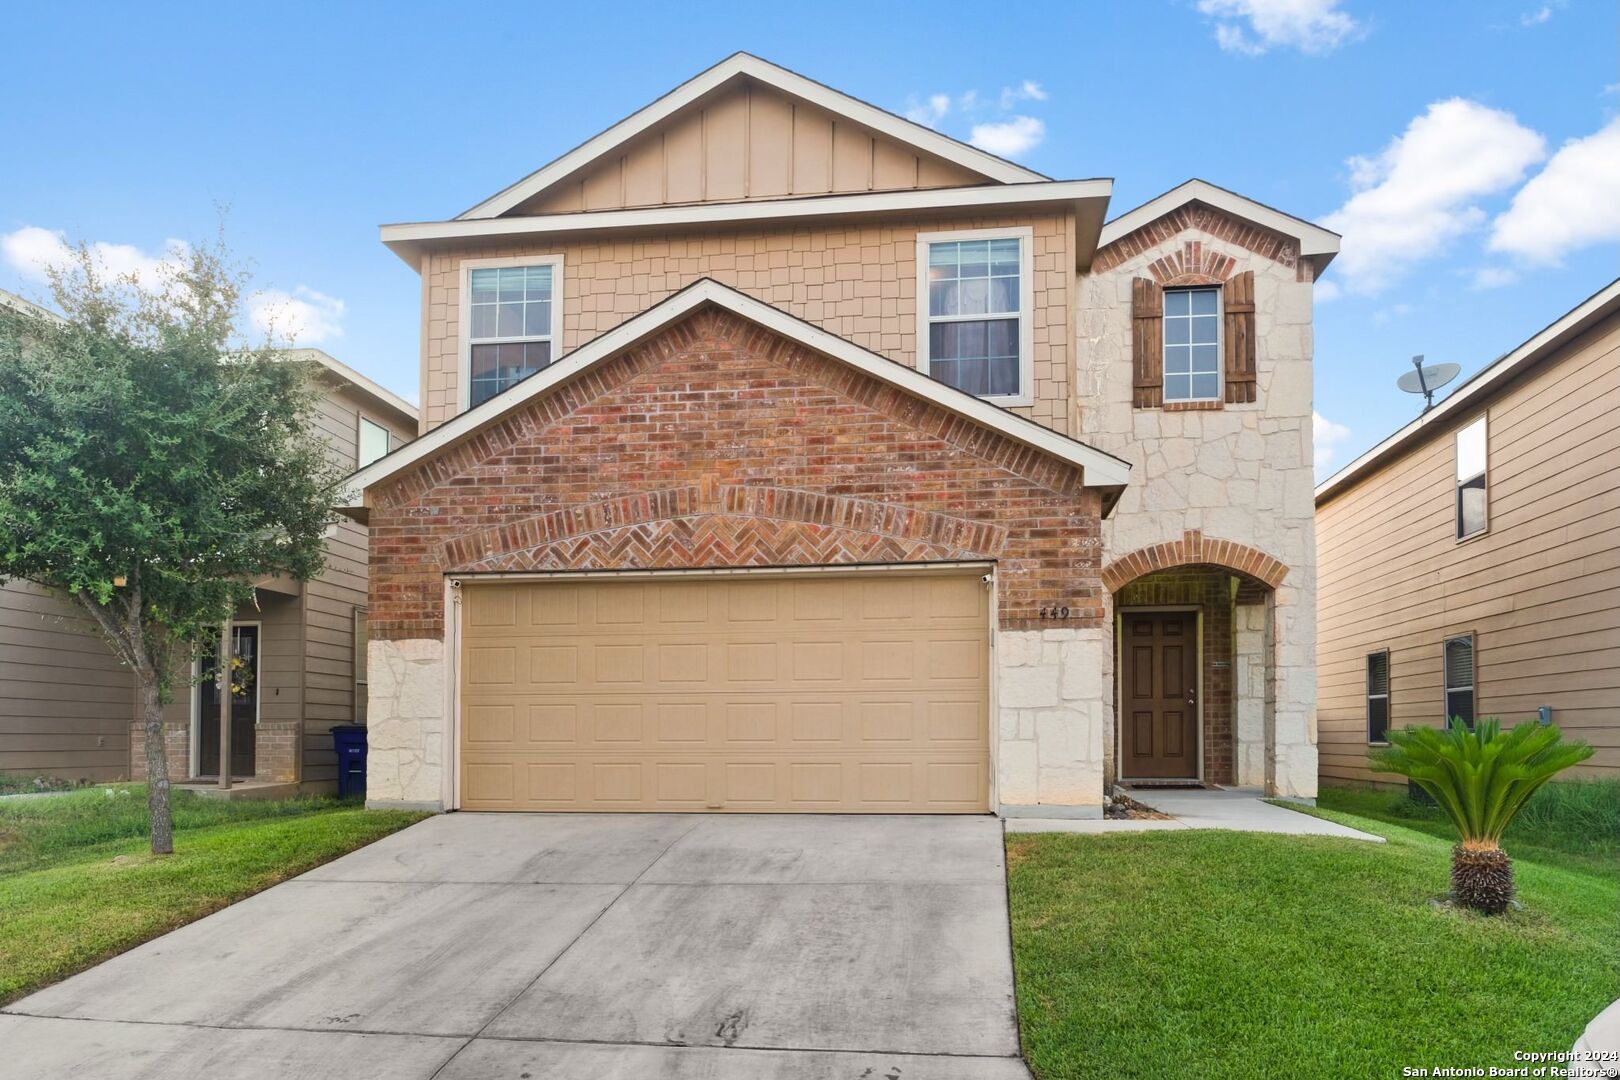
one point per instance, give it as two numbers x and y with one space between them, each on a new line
1193 653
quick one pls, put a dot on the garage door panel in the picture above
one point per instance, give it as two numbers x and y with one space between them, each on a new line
743 694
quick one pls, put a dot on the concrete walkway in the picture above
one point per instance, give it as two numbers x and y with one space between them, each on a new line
485 946
1240 809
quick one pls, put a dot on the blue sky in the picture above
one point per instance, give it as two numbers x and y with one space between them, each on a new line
1470 152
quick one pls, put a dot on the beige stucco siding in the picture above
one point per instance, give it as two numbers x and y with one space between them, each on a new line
856 281
64 698
746 141
1540 590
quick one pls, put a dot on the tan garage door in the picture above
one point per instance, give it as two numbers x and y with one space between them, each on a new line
855 693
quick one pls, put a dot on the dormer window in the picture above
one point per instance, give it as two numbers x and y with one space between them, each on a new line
974 302
512 311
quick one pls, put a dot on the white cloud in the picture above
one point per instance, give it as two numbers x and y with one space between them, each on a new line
1326 437
34 252
1327 291
1028 90
1494 277
929 112
1311 26
1418 193
1571 204
1009 138
303 316
1536 17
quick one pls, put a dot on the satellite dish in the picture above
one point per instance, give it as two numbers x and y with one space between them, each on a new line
1425 379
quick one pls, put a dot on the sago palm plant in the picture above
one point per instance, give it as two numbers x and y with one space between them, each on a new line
1481 779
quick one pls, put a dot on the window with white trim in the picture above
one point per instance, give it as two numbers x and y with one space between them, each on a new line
975 299
1459 679
513 316
373 442
1473 511
1192 344
1378 696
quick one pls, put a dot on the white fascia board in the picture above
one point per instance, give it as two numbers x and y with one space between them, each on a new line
1315 242
359 381
1604 302
742 64
1099 469
761 210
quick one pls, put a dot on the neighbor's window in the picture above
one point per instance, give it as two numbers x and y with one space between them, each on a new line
373 442
362 637
975 327
1459 676
512 325
1378 697
1471 498
1192 344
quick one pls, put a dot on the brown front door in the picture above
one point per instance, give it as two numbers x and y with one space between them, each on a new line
1159 710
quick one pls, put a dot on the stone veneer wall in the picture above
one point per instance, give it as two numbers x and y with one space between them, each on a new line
1238 472
1249 665
858 281
1055 721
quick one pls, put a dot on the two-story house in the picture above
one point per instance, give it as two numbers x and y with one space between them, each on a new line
69 709
780 454
1471 561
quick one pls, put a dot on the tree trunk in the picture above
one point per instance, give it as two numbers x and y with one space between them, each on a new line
1482 878
157 767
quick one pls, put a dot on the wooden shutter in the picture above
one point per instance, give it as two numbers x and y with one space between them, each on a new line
1237 301
1147 343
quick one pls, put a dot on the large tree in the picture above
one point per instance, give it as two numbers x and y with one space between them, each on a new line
153 465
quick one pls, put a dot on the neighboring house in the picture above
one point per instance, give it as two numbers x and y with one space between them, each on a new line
1470 563
781 454
69 709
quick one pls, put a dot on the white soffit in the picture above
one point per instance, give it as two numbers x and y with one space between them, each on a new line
1315 243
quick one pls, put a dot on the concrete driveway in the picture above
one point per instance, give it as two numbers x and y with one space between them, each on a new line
482 947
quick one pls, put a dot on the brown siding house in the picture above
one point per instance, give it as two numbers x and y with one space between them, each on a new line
1470 563
69 710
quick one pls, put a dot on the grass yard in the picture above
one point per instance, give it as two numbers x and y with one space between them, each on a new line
1219 954
78 885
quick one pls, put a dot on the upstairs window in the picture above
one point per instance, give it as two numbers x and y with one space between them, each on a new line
1472 515
373 442
1192 345
975 300
514 315
1459 677
1378 697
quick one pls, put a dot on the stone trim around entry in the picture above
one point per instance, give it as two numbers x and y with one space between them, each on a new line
1193 548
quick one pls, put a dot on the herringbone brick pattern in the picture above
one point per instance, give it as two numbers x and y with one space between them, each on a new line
719 444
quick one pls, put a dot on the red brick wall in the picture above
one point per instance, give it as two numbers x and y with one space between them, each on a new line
719 444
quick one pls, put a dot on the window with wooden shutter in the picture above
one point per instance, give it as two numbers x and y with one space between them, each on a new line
1237 302
1147 343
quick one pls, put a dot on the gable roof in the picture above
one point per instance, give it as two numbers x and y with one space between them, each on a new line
743 65
1478 387
1099 469
344 373
1317 244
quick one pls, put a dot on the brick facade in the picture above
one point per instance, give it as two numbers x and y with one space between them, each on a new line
1159 234
719 444
857 281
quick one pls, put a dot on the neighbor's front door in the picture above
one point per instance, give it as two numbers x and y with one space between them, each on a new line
1159 710
244 706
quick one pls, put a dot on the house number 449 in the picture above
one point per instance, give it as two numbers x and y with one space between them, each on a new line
1055 612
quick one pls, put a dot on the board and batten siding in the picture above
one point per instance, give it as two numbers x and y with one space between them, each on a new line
64 697
1539 590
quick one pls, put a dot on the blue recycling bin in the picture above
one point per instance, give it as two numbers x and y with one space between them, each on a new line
349 740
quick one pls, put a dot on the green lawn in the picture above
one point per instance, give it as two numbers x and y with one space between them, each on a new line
1217 954
77 884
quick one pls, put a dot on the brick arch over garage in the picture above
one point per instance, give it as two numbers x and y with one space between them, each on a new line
1195 549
